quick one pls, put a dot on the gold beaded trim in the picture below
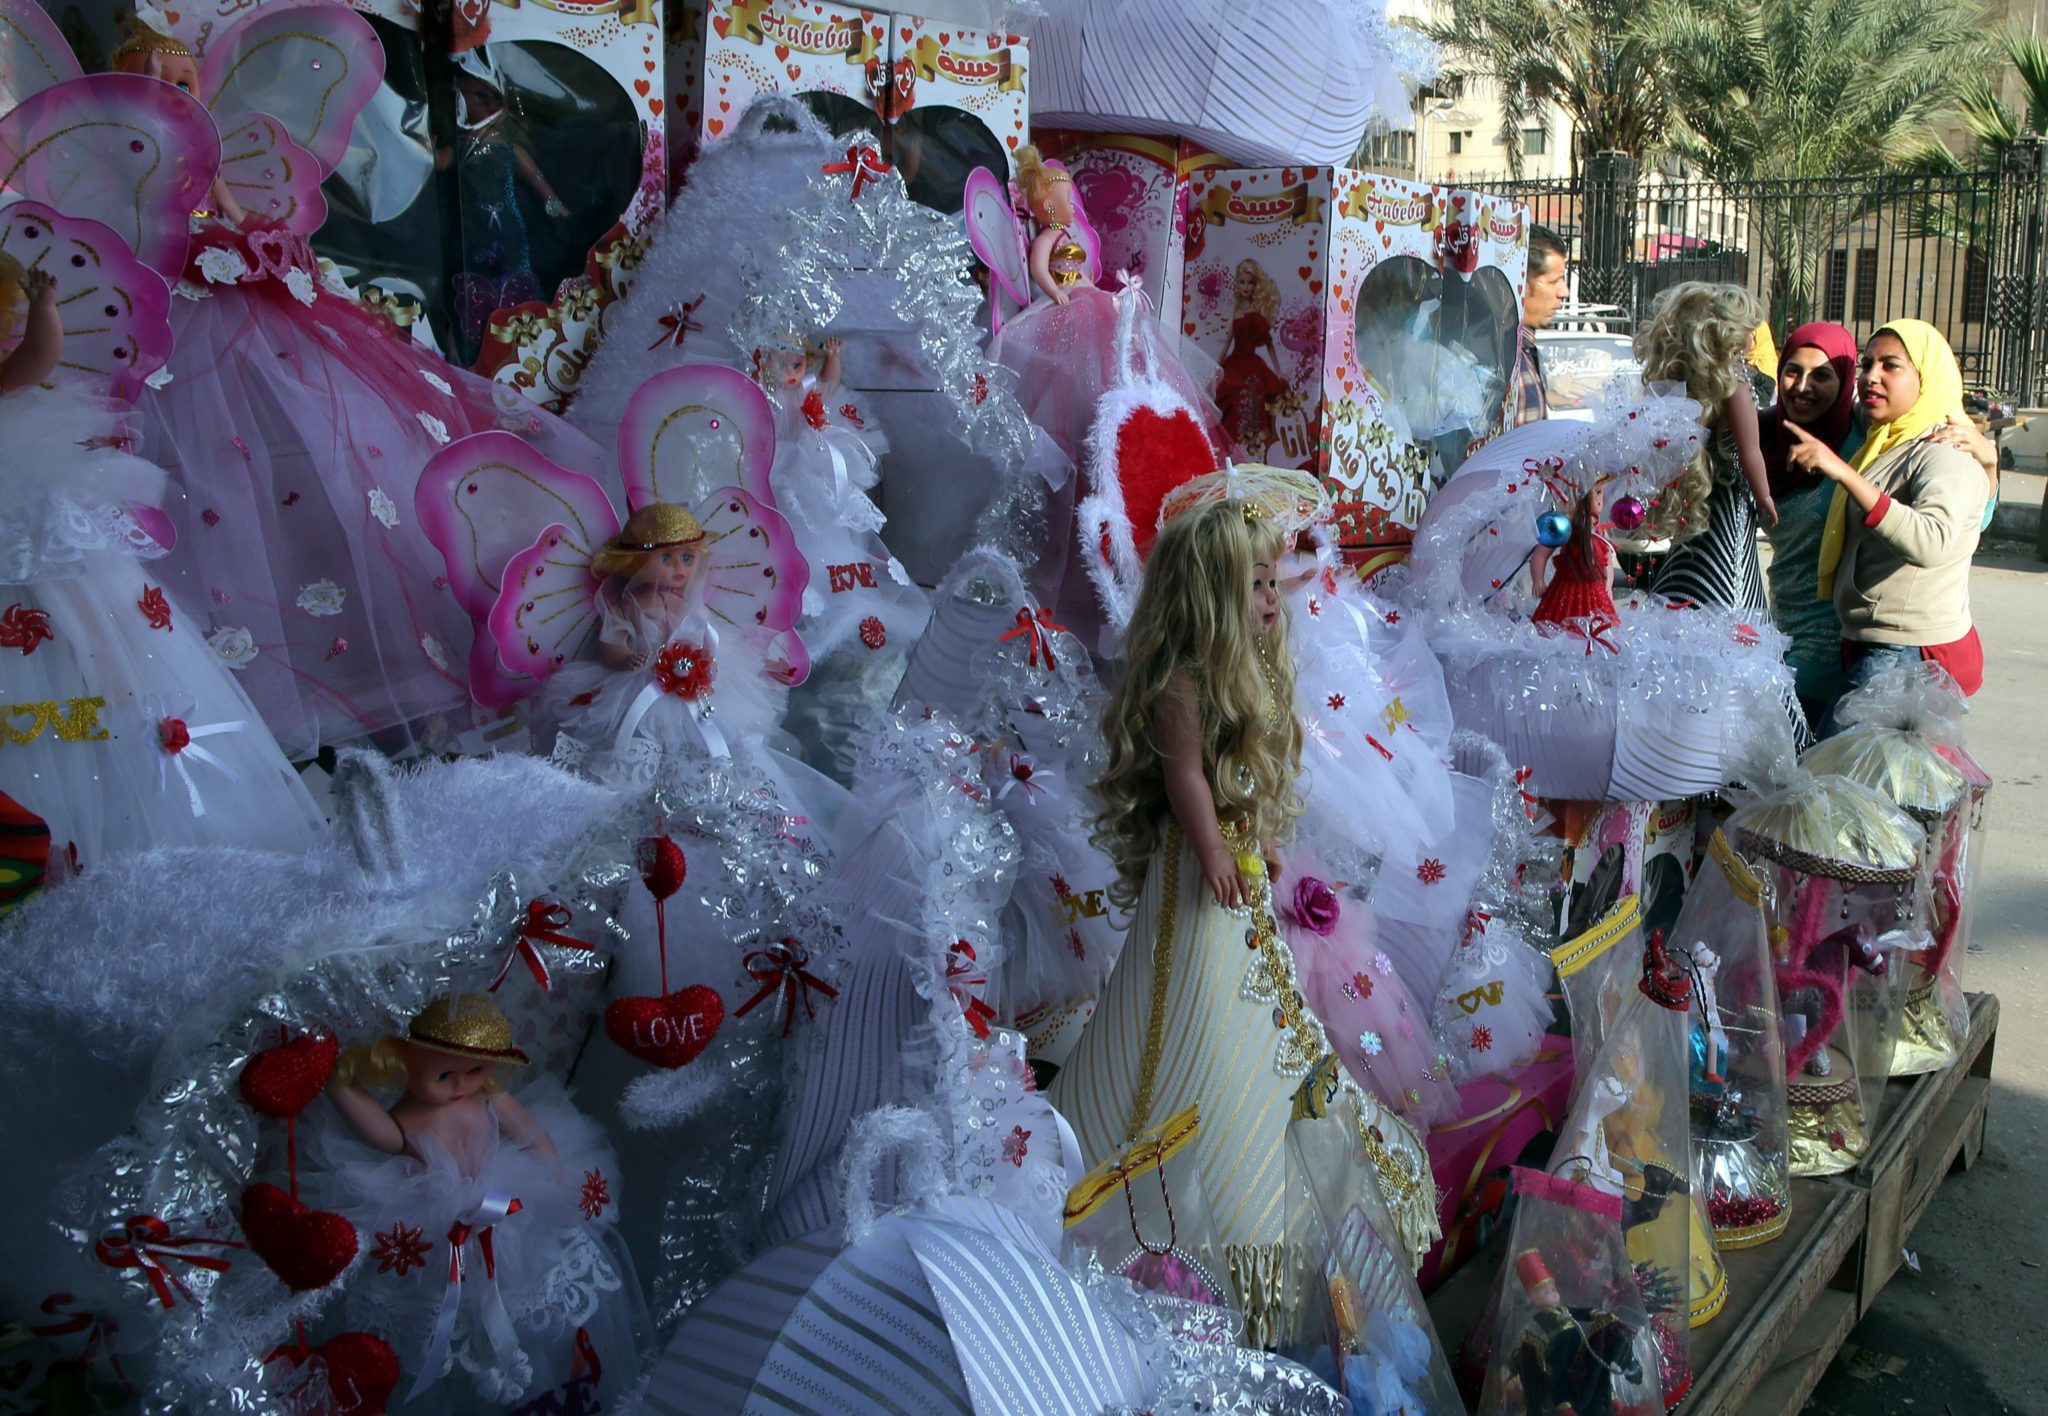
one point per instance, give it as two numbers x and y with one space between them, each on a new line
1162 978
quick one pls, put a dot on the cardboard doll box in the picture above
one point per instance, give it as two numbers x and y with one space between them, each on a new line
1500 1121
1360 326
939 99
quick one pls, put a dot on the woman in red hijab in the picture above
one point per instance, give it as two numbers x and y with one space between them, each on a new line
1816 390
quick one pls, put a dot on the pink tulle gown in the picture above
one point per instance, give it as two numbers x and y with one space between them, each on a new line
298 424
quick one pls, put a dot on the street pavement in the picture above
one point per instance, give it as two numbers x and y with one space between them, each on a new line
1951 1340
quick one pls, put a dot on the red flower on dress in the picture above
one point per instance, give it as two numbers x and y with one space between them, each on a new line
1394 616
401 1249
210 517
1336 702
814 409
597 1193
1015 1145
873 632
1362 981
174 735
155 608
1061 889
23 628
1482 1038
685 670
851 413
1431 871
1075 943
1315 608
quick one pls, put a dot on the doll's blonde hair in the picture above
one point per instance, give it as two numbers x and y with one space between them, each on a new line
1193 621
11 274
1698 335
1265 293
1034 178
380 1066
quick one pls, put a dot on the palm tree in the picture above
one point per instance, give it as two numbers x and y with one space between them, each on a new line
1595 59
1771 97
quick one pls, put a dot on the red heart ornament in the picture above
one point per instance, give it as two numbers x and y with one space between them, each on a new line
1154 454
307 1248
663 867
668 1031
362 1370
282 1081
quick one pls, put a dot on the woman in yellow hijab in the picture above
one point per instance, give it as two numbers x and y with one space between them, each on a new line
1905 518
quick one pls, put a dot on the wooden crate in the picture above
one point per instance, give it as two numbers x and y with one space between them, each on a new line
1930 1125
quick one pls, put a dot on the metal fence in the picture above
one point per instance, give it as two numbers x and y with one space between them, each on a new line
1964 252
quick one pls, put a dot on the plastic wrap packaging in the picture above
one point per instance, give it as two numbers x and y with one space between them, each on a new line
1735 1052
1896 735
1141 1215
1375 1342
1597 968
1840 864
1570 1329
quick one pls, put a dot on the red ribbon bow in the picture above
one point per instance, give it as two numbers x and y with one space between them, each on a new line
145 1242
677 324
780 968
545 920
961 980
1530 801
459 1235
98 1328
864 163
1035 627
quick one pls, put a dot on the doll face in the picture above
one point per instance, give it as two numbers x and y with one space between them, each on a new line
180 70
1056 207
1244 286
1544 1294
441 1078
670 569
783 368
480 102
1265 596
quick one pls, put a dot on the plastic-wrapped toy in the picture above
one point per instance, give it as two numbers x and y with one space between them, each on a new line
491 166
1736 1052
1841 864
1198 795
1892 734
1601 701
295 420
523 1190
125 731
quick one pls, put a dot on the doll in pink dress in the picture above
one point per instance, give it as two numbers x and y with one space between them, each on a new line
525 1188
297 422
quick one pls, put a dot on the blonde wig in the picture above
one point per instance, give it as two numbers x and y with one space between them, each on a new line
1265 294
1698 335
1192 629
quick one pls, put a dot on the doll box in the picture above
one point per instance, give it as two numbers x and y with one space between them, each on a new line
1499 1119
1362 326
939 99
1135 191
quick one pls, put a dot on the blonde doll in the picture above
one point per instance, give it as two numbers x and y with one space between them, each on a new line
526 1188
1700 335
1251 377
1200 791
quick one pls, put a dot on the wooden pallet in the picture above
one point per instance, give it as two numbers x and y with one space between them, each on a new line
1930 1126
1793 1301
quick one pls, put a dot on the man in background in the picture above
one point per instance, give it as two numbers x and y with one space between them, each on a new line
1528 398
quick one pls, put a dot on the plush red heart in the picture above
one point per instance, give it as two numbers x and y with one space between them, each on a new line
1154 454
362 1370
282 1081
307 1248
668 1031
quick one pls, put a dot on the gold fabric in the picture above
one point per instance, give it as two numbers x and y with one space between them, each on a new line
1926 1041
1824 1120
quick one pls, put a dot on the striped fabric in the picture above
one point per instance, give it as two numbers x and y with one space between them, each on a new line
1276 83
1719 566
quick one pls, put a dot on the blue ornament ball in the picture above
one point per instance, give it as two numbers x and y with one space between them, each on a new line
1553 529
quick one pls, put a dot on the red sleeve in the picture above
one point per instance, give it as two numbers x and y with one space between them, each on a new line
1884 504
1964 660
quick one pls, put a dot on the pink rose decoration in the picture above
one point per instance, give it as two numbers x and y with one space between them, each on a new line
1315 905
